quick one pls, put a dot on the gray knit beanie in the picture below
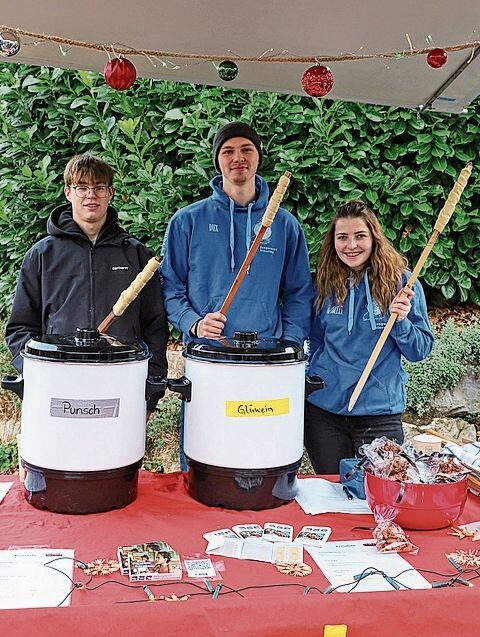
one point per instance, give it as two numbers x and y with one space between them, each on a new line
235 129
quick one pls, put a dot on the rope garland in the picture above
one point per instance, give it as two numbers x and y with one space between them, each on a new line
347 57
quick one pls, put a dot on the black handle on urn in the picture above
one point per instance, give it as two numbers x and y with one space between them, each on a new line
312 383
155 387
181 386
13 383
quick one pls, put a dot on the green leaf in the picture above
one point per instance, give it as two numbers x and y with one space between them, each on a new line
46 161
86 77
440 164
128 125
448 291
475 295
392 153
373 117
469 240
88 138
79 101
357 174
405 184
422 206
371 195
390 234
464 281
424 138
346 185
171 127
30 80
174 113
356 194
88 121
56 73
110 123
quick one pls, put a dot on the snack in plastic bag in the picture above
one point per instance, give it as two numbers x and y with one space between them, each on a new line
402 463
388 459
450 470
380 449
389 536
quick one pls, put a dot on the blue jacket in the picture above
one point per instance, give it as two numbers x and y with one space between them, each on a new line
342 340
204 247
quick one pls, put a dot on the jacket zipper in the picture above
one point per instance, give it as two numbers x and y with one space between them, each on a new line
92 275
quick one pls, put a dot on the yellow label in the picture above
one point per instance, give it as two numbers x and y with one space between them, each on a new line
257 408
335 630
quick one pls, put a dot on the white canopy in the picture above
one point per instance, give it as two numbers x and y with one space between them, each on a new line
252 28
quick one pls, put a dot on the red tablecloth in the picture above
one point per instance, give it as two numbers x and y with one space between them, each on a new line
164 511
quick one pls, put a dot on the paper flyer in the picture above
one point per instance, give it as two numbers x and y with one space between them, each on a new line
313 535
26 581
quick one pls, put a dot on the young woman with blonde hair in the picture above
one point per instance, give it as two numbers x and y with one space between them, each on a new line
359 278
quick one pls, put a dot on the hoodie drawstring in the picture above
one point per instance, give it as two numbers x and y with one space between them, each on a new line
232 237
248 232
351 303
371 314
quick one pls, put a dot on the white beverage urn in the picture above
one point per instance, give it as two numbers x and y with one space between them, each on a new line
83 420
244 425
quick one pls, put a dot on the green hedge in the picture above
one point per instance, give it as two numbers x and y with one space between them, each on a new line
456 353
158 136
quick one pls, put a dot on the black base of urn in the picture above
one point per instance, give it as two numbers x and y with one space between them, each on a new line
253 489
79 492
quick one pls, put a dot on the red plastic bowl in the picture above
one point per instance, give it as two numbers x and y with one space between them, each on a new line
423 506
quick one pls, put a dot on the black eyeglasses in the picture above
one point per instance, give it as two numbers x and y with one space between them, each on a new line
83 191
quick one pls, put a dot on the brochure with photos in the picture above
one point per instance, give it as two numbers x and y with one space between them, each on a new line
274 532
151 561
313 535
248 531
226 533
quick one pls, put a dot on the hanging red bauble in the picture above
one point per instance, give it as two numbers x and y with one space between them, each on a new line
436 58
317 81
120 73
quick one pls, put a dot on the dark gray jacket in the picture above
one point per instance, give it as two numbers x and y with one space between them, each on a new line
66 282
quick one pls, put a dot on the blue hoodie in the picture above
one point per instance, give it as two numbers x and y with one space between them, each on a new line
342 339
205 245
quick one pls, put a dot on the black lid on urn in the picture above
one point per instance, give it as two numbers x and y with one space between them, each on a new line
245 347
85 346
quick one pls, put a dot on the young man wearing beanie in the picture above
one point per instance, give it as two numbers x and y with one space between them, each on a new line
206 244
207 241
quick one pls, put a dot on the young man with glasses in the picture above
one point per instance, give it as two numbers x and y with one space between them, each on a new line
72 277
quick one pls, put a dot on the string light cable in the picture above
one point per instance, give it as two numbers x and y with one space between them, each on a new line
222 589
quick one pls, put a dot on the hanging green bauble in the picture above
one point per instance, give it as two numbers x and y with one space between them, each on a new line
227 70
